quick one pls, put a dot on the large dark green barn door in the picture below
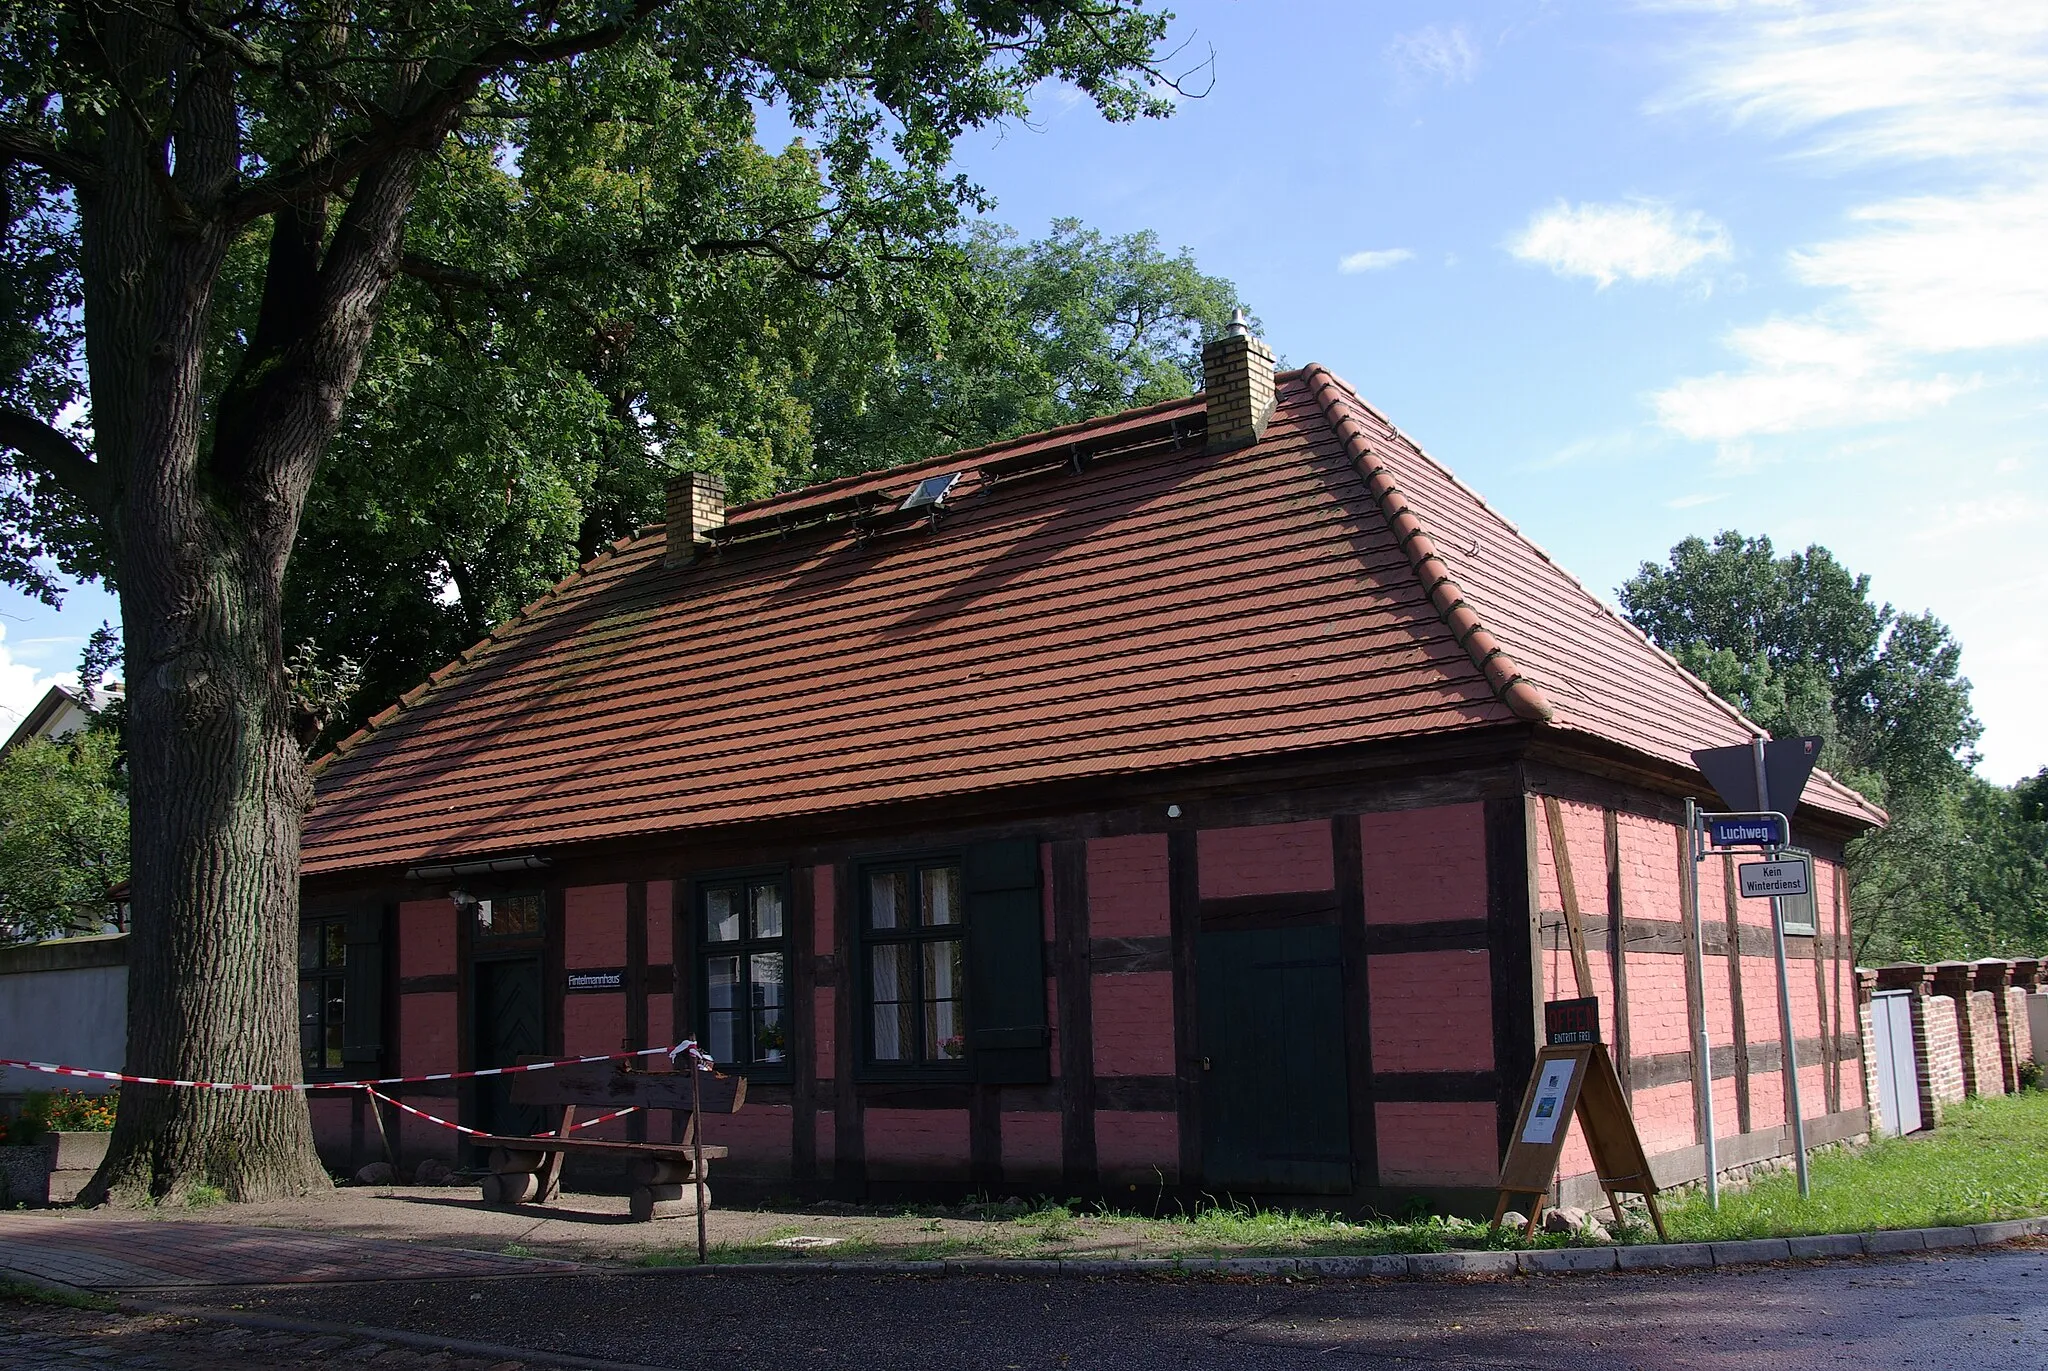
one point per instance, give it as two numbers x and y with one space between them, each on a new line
1275 1106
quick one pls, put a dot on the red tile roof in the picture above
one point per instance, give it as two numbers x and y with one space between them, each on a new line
1103 600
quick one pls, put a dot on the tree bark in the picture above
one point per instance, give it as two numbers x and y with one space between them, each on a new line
204 516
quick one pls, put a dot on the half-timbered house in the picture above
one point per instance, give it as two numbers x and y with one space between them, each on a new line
1199 799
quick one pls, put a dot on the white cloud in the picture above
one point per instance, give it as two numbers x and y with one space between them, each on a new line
1694 501
1911 281
1958 517
21 686
1376 259
1636 240
1801 374
1435 53
1880 80
1943 273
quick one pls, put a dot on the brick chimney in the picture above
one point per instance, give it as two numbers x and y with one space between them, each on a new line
696 504
1237 377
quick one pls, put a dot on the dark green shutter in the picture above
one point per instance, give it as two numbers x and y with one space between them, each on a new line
362 1020
1007 1034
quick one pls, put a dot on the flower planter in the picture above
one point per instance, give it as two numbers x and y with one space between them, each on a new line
76 1151
72 1158
51 1170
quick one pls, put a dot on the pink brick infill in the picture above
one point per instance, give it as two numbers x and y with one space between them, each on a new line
1127 887
1424 865
1431 1011
1271 859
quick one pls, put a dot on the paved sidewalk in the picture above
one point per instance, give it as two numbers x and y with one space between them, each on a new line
135 1253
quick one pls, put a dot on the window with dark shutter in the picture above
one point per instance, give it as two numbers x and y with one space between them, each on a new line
1007 1038
913 928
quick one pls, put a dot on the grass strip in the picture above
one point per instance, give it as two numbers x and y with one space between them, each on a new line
1987 1161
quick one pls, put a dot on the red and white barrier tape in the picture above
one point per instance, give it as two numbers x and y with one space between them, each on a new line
480 1133
688 1046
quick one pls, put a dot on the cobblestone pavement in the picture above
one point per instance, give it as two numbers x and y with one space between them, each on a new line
1984 1311
35 1336
141 1253
355 1302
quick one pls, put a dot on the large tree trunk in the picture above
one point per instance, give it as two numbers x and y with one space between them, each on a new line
217 782
204 515
218 788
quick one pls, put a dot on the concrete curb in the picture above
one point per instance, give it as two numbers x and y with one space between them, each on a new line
1421 1265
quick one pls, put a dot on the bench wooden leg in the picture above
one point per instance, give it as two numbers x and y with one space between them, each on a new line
665 1171
676 1200
510 1187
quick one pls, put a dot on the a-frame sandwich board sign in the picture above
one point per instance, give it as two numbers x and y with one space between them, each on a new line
1575 1078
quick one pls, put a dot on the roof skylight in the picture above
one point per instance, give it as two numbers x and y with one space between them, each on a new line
930 491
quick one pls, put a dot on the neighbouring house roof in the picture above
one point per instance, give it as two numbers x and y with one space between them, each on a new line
1103 600
59 713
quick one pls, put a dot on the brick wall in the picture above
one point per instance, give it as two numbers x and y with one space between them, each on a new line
594 925
1436 1144
1127 891
913 1144
1031 1148
1431 1011
1424 865
2017 1034
1133 1019
426 938
1938 1048
1271 859
1137 1150
1983 1063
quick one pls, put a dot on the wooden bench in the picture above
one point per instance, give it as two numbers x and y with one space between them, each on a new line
526 1170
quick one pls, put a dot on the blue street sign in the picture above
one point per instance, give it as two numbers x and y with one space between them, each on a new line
1754 830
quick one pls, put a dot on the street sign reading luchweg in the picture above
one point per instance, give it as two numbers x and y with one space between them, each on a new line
1762 880
1746 830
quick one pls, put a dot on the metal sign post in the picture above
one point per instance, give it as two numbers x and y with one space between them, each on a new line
1694 857
1769 833
1791 1046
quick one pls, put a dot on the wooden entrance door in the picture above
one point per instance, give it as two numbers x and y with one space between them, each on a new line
1275 1102
509 1026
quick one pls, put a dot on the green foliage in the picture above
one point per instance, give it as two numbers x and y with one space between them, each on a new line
1798 645
1984 1163
1029 337
603 276
63 835
68 1111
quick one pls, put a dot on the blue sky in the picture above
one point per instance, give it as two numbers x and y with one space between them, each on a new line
1633 271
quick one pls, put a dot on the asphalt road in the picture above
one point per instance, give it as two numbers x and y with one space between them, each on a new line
1987 1310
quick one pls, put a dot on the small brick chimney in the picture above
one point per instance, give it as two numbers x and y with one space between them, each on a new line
1237 378
696 504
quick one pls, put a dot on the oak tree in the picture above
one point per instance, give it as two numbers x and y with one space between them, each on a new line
203 206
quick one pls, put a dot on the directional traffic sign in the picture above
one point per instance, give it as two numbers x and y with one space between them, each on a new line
1746 830
1762 880
1732 773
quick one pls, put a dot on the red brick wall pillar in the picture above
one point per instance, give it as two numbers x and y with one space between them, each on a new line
1982 1074
1993 978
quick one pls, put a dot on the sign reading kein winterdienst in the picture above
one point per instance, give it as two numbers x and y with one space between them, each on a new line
1767 880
